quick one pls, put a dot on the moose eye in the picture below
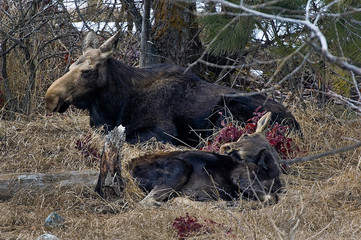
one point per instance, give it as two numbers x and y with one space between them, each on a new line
245 136
225 149
86 71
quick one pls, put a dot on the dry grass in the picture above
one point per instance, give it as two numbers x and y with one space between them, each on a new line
323 198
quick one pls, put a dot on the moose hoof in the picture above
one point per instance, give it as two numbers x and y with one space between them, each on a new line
269 199
150 202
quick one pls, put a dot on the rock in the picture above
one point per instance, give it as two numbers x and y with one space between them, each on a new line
47 236
54 220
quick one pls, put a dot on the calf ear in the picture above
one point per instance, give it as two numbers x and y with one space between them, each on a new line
109 45
90 41
269 162
263 123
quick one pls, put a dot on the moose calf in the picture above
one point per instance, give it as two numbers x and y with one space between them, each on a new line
247 168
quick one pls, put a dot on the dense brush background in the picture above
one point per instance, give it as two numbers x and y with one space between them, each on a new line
322 198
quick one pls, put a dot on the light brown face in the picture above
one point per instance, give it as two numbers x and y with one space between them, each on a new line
85 77
248 147
251 147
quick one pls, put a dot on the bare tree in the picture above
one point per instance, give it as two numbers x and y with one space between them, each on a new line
175 31
144 44
297 46
28 30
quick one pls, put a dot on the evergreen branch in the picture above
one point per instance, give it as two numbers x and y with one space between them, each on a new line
210 44
323 49
282 63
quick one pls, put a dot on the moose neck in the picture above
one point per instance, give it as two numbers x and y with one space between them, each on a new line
109 103
123 81
125 76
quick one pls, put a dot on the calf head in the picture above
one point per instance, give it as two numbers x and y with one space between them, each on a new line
84 78
255 148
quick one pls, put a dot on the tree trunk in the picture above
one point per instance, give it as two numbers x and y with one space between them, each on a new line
110 182
5 78
175 32
132 14
31 83
144 54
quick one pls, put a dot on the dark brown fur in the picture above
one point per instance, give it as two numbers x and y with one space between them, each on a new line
248 169
158 101
204 176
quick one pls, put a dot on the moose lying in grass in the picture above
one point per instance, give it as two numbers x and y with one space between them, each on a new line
247 168
160 101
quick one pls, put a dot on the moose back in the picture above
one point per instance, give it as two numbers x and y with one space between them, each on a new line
160 101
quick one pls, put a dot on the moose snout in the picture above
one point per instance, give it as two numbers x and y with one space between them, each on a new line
51 102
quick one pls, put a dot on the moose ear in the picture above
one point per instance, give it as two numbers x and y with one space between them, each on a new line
109 45
263 123
268 161
90 41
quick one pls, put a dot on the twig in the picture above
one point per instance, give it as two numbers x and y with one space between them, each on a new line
321 231
323 49
355 105
324 154
210 44
271 89
178 140
356 85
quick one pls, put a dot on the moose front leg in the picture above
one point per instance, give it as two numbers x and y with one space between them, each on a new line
156 196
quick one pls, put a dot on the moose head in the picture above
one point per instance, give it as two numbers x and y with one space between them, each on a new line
85 76
255 148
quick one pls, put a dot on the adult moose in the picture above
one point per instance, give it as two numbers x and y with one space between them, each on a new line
160 101
248 169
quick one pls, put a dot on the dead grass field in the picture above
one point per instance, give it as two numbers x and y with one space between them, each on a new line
322 198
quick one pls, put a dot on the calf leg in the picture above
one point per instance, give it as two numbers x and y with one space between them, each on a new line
156 196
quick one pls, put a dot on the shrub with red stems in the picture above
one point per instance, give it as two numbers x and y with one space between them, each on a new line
277 136
68 59
190 226
87 149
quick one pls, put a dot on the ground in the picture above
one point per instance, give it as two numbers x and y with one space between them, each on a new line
322 198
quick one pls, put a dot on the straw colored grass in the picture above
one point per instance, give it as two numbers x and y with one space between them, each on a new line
322 198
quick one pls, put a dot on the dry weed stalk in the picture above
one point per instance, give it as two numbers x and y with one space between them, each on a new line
322 198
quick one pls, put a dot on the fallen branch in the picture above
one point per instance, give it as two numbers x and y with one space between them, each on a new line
324 154
355 105
11 183
109 179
